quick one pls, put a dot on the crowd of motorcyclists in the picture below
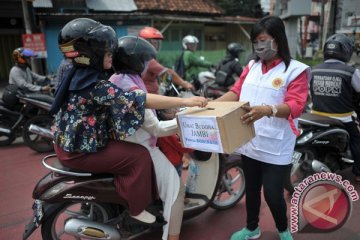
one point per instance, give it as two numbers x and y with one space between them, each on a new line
107 90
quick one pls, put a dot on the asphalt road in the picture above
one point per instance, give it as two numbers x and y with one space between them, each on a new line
20 169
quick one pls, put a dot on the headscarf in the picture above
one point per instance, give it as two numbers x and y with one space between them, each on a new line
74 79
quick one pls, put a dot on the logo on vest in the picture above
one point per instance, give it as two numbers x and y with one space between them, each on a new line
277 83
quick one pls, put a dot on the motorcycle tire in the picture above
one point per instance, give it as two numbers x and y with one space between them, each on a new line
6 139
300 170
227 185
34 141
53 227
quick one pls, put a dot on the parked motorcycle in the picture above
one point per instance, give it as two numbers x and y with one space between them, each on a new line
84 205
32 110
323 146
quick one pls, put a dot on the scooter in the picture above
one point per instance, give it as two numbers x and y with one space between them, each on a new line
205 86
84 205
233 161
32 109
323 146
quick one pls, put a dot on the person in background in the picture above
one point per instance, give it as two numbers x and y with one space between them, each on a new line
193 63
21 75
130 61
342 89
229 67
154 69
65 64
91 111
276 87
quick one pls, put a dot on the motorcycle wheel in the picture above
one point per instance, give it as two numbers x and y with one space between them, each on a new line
300 170
53 227
34 141
6 139
231 188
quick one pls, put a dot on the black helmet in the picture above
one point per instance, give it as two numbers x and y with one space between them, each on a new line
23 55
86 41
338 46
234 49
131 54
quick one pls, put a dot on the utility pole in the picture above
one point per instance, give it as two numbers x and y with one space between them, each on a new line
35 64
319 53
321 27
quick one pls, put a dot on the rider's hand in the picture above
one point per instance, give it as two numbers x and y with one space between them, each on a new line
45 88
195 101
188 86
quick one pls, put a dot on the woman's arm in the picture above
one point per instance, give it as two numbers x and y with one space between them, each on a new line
230 96
179 81
234 93
155 101
158 128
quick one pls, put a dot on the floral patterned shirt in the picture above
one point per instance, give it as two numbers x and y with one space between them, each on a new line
90 116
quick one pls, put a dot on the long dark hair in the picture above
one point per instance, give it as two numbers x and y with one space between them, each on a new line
275 27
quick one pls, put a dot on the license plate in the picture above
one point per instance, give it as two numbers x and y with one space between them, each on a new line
296 157
38 212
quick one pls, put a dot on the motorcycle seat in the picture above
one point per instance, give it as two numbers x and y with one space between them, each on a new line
39 97
57 167
317 120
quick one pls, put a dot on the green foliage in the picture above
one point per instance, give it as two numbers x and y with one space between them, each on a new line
311 62
167 58
250 8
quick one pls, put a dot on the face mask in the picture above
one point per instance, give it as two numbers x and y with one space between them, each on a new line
264 50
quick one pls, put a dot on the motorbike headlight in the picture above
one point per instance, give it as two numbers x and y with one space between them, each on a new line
303 139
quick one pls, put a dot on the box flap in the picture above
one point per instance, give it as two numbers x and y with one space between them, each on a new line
218 109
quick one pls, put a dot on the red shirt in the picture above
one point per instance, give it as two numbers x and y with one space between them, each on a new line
172 148
154 70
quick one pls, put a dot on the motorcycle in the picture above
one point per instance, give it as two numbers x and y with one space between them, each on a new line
84 205
205 86
323 146
225 197
31 111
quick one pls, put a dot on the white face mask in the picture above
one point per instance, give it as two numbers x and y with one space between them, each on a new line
264 49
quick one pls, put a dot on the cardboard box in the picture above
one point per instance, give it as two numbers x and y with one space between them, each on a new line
216 128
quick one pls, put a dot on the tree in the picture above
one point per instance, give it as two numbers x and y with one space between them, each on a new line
249 8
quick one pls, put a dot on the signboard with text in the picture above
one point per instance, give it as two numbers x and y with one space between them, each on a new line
35 42
200 133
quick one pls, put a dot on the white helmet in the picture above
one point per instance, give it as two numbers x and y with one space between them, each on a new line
189 39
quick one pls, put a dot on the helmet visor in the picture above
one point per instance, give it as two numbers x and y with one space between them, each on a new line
28 53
